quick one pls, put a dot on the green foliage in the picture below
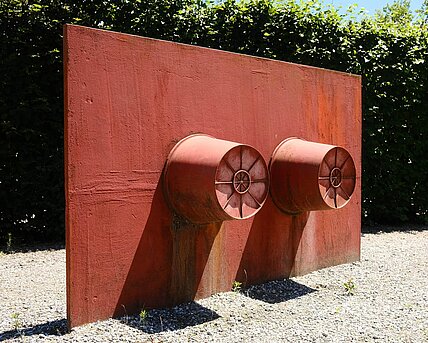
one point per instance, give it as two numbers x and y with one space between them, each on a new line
236 286
396 13
16 321
349 287
389 50
143 315
9 242
31 124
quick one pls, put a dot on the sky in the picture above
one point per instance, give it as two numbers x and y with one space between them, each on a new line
372 5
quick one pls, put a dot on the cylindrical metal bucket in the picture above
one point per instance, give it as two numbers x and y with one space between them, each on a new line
309 176
209 180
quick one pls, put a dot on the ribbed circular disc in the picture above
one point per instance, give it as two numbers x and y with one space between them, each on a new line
242 182
337 177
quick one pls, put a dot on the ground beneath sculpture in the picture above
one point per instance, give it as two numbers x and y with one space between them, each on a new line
389 302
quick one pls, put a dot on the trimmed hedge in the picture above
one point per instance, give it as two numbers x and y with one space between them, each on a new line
391 55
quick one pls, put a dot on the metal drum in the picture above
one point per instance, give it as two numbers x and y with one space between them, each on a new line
309 176
209 180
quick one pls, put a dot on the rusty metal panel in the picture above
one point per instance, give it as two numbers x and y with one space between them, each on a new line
128 101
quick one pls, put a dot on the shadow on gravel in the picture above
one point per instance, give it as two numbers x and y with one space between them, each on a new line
378 229
277 291
52 328
172 319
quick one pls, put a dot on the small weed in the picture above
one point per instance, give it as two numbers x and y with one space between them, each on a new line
236 286
16 321
408 305
143 315
349 287
9 242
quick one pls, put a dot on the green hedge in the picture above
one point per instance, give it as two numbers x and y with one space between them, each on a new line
390 53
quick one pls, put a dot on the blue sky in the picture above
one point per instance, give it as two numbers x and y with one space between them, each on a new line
371 6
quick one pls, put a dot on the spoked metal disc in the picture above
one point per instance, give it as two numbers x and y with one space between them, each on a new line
337 177
242 182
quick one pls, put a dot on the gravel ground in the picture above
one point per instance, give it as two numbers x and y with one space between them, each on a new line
389 303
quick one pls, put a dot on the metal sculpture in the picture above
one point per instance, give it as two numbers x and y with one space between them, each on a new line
153 222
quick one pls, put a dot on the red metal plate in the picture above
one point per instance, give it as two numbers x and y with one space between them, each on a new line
128 101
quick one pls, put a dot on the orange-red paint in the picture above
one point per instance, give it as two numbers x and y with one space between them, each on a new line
128 101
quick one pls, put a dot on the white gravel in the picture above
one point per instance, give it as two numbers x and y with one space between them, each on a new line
390 303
